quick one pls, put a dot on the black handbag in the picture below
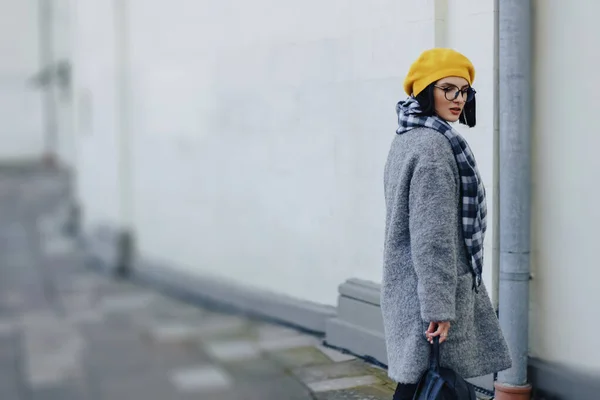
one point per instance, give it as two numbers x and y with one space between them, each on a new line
438 383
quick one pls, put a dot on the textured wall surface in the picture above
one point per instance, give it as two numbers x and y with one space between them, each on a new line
21 113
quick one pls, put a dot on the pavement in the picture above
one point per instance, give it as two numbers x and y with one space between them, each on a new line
68 332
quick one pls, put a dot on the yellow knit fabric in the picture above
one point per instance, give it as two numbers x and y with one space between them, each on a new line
435 64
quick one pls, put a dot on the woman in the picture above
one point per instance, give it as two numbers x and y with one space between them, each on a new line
435 225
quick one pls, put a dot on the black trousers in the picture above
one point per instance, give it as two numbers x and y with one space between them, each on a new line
405 391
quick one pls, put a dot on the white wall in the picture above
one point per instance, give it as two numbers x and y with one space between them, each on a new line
261 129
21 117
566 187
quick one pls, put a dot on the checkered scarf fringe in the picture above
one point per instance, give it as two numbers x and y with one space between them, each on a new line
474 209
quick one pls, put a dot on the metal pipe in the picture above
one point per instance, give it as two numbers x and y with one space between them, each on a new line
73 223
514 40
124 137
122 108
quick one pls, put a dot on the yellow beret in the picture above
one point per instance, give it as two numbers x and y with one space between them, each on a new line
435 64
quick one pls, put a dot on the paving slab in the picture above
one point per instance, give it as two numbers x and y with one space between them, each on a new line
232 350
343 383
329 371
299 357
360 393
284 387
202 379
256 370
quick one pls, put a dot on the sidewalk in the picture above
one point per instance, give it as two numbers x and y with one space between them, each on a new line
68 333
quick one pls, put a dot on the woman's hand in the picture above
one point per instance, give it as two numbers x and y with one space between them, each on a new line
437 329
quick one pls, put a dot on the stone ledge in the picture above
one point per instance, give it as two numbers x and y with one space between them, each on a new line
357 340
358 289
303 314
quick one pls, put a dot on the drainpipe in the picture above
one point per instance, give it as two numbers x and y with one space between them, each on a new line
123 65
73 220
514 37
46 38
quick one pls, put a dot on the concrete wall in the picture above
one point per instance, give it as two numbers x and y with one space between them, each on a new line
21 121
566 187
260 131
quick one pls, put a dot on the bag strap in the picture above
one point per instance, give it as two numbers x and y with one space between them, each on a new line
434 356
434 388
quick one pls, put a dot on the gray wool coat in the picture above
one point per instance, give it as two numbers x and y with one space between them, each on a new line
426 274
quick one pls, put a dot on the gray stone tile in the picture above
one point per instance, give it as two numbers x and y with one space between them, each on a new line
299 357
176 332
52 351
10 388
12 299
126 302
180 331
113 330
177 355
11 382
257 370
118 355
80 300
362 393
342 383
57 245
277 388
118 287
85 282
146 387
8 326
232 350
85 317
325 372
67 391
119 359
202 379
9 351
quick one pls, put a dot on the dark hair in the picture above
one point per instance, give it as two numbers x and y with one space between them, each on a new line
425 99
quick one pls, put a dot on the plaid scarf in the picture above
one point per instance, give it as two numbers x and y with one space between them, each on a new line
474 208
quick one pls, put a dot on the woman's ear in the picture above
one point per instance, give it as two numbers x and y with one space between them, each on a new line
468 115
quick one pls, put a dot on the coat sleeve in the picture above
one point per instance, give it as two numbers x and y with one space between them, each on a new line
433 228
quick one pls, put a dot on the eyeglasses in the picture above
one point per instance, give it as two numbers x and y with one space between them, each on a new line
451 93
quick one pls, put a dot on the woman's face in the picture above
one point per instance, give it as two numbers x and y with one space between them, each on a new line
447 106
